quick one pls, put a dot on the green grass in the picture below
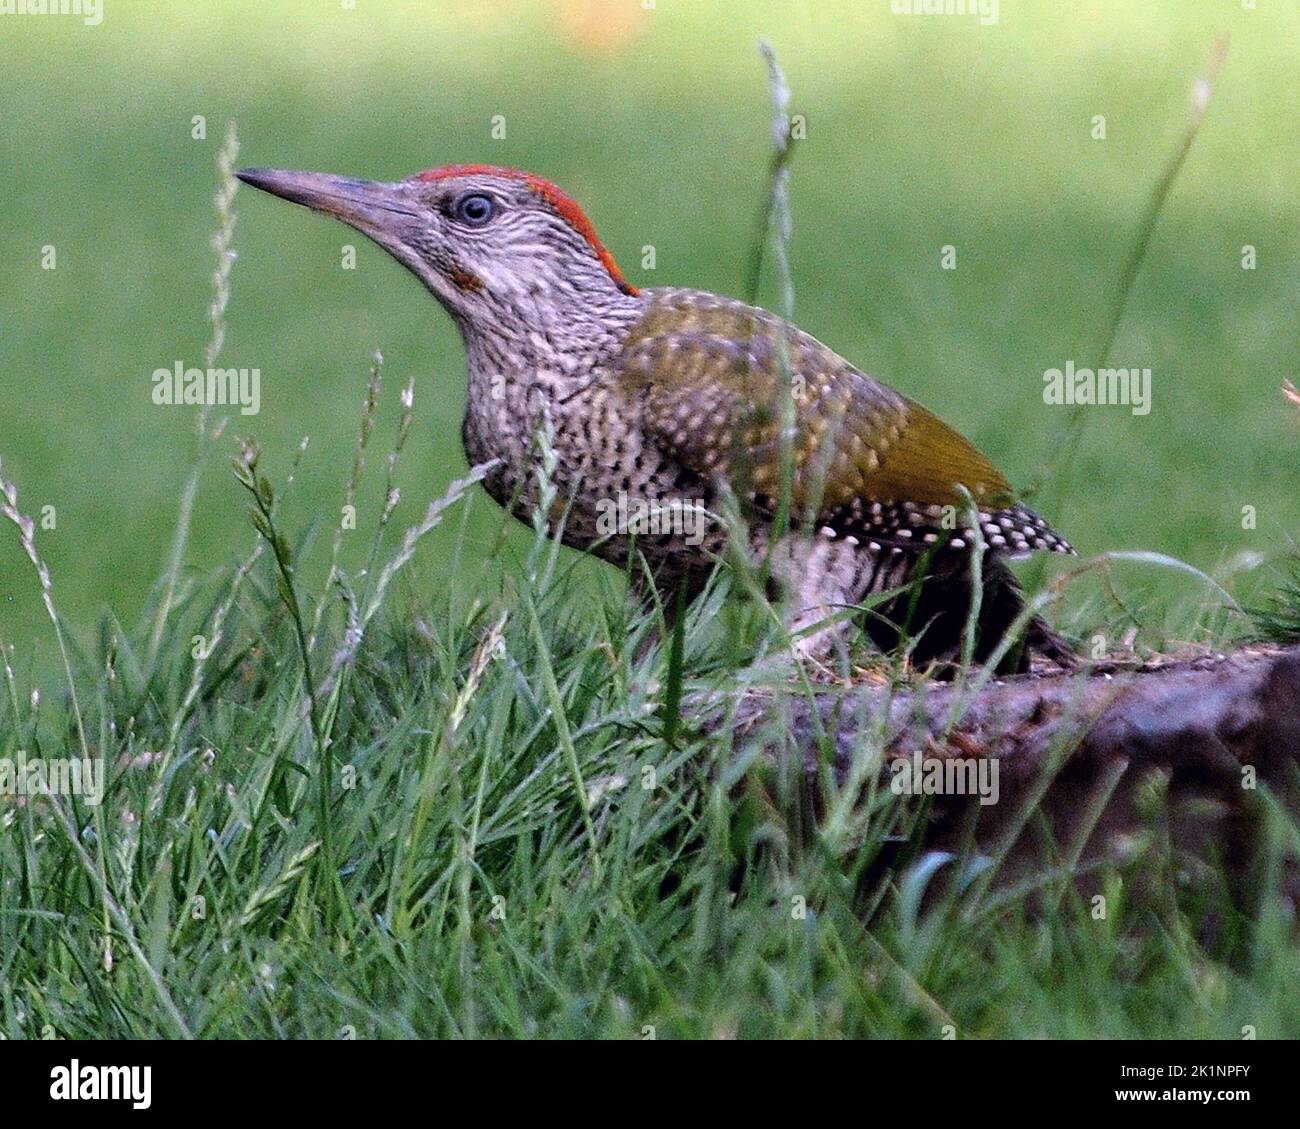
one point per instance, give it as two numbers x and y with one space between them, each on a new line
921 133
486 818
504 841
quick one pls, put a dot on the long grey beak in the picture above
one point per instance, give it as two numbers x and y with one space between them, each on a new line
380 210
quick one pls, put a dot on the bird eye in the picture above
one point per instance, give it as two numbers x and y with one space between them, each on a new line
474 209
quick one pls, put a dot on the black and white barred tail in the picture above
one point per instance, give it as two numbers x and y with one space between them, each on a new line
1013 532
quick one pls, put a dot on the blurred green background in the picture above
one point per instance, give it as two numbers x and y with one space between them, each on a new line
922 131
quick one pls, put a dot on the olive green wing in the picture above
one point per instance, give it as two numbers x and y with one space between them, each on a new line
707 371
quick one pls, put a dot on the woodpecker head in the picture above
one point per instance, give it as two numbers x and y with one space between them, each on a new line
493 245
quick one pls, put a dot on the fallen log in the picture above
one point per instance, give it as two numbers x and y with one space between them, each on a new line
1091 768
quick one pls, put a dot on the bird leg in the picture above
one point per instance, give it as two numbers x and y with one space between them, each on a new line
822 577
